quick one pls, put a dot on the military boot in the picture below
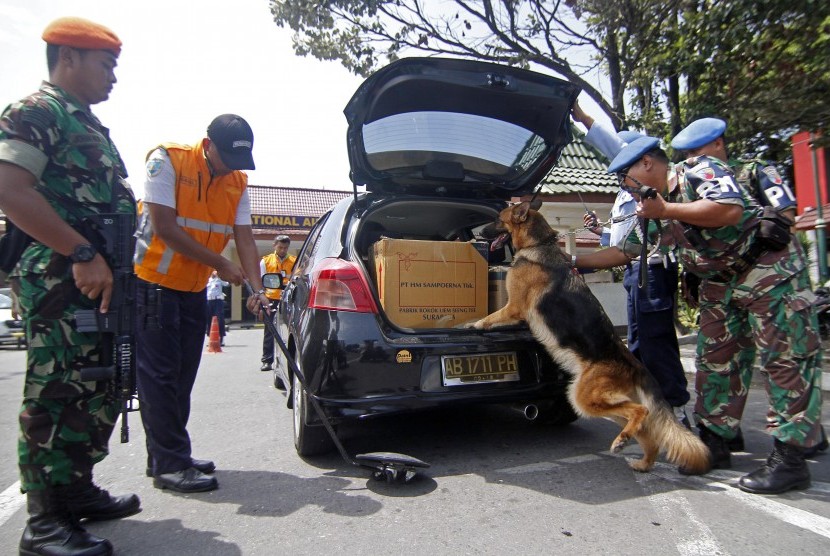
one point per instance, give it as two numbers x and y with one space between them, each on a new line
719 457
718 446
818 448
86 500
52 531
737 443
784 470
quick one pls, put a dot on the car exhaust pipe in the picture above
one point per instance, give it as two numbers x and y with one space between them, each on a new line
530 411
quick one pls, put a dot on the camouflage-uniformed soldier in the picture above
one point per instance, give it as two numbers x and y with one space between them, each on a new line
767 188
752 291
57 166
762 180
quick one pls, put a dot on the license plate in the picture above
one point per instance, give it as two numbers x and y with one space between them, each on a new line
480 369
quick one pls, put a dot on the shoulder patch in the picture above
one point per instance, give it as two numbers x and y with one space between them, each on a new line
773 175
154 167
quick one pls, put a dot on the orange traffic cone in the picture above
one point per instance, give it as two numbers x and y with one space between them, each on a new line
214 343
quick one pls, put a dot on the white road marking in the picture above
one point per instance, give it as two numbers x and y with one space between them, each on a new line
724 483
10 501
693 537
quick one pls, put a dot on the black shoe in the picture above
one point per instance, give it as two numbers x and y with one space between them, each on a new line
820 447
86 500
266 366
52 530
784 470
203 465
186 480
737 443
718 447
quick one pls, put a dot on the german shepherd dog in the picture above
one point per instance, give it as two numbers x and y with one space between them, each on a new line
564 316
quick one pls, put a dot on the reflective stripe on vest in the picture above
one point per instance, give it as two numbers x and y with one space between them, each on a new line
203 226
205 210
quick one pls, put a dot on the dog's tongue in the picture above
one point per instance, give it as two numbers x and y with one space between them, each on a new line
499 241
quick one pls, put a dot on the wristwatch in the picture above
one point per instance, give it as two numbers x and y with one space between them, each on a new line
83 253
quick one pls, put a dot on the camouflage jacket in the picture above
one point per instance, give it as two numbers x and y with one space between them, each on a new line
761 179
708 178
83 168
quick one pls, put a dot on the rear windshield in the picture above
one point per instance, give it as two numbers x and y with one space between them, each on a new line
488 147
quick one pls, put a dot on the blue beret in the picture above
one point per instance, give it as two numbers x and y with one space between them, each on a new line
698 133
627 135
632 152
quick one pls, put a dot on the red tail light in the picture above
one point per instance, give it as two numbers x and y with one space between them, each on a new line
339 285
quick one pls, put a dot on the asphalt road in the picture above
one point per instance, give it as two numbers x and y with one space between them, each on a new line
497 485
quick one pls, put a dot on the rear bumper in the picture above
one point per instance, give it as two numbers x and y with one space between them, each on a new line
356 371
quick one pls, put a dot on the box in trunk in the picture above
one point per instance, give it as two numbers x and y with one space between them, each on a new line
430 284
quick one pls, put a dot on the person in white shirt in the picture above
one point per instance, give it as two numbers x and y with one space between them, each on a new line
216 304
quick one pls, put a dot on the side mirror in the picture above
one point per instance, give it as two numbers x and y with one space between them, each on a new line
273 281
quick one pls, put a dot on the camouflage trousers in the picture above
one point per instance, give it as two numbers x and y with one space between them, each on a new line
65 423
736 322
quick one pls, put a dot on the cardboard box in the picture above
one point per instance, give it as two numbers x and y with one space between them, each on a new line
497 288
430 284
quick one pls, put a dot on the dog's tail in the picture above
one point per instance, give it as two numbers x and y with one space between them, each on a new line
680 445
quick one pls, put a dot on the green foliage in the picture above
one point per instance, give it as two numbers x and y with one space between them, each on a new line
687 317
760 64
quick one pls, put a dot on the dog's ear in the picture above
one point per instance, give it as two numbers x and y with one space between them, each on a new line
520 211
536 204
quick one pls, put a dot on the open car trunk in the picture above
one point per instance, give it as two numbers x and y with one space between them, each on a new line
428 263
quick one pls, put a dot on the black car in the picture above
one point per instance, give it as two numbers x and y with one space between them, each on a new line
441 146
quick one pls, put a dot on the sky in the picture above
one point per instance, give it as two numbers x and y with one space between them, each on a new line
183 63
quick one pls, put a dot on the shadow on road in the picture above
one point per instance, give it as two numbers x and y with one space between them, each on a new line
162 538
275 494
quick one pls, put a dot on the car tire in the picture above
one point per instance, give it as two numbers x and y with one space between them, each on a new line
309 440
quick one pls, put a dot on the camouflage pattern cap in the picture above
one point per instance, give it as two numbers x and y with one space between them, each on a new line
81 33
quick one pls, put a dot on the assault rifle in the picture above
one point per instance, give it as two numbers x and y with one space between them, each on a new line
112 236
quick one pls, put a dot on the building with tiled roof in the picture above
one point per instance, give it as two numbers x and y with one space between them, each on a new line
289 210
582 169
578 183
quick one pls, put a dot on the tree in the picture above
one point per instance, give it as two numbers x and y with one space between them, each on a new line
760 64
568 37
764 65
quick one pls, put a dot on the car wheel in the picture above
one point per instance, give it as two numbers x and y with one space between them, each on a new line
309 440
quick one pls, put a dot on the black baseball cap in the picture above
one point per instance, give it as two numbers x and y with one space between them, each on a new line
235 140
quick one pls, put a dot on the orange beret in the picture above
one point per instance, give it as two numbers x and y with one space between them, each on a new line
81 33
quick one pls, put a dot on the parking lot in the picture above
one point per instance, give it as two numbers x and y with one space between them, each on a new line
498 484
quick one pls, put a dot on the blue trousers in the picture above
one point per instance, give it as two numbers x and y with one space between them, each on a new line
651 334
170 338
